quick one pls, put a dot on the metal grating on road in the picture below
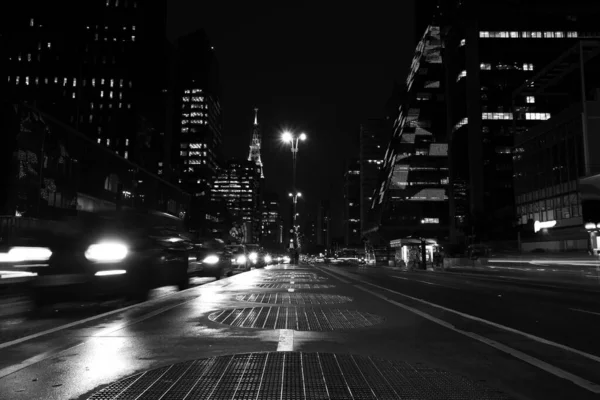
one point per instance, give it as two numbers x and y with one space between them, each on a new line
294 279
293 286
297 318
295 375
293 298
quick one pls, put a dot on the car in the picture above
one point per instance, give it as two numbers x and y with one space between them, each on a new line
257 256
113 254
210 258
239 257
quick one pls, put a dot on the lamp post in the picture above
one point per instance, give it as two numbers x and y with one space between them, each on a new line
289 137
294 197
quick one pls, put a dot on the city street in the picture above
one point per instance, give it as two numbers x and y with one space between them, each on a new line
315 332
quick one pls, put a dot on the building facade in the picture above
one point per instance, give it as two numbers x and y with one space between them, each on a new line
374 136
272 221
352 232
323 224
488 54
198 121
91 71
411 203
237 185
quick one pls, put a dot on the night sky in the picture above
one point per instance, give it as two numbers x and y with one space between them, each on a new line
314 67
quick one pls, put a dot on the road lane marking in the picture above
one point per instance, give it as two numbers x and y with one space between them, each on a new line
490 323
417 280
333 275
556 371
585 311
286 340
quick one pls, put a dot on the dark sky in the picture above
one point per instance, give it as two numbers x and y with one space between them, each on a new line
320 68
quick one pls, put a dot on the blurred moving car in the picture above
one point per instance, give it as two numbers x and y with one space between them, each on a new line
258 256
211 258
239 257
116 253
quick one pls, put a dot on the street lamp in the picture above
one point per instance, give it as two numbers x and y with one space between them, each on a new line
289 137
294 197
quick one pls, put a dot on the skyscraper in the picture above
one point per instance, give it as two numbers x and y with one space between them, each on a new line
237 185
488 53
198 123
374 137
352 233
255 144
91 71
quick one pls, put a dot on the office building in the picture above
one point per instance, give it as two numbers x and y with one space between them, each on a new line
352 233
272 221
490 49
237 185
324 224
91 71
198 121
374 137
411 203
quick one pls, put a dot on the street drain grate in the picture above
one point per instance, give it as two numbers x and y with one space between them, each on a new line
295 375
293 286
297 318
293 298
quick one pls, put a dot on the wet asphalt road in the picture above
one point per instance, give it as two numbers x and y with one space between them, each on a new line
531 341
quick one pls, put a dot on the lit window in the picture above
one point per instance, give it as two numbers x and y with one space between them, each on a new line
27 80
132 38
463 42
99 140
486 66
528 67
73 95
549 35
112 82
126 154
497 116
49 45
514 35
126 142
530 99
108 141
461 75
102 93
571 34
484 34
31 22
559 34
537 116
93 81
28 56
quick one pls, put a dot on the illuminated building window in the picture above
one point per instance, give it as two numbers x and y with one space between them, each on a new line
108 141
27 80
112 82
530 99
486 66
126 154
430 221
185 99
102 93
31 22
99 140
133 38
463 42
537 116
128 105
65 82
110 94
528 67
120 82
126 142
497 115
73 95
572 34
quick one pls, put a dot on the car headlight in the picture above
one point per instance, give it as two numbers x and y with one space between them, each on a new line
286 259
253 256
268 259
241 259
211 259
22 253
107 252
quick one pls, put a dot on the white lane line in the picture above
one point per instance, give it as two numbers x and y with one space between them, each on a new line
286 340
333 275
577 380
585 311
490 323
417 280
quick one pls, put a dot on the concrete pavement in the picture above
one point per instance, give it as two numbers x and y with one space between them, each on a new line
361 334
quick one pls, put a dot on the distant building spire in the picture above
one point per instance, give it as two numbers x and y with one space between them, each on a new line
255 144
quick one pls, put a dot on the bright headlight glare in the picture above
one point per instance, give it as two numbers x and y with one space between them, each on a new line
268 259
212 259
19 254
241 259
107 252
253 255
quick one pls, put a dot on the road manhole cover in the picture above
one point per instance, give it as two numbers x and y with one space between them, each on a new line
293 298
295 375
293 286
297 318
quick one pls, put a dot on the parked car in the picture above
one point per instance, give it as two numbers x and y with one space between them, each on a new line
112 254
211 258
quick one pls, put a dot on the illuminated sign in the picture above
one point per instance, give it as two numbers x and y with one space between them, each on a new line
537 226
